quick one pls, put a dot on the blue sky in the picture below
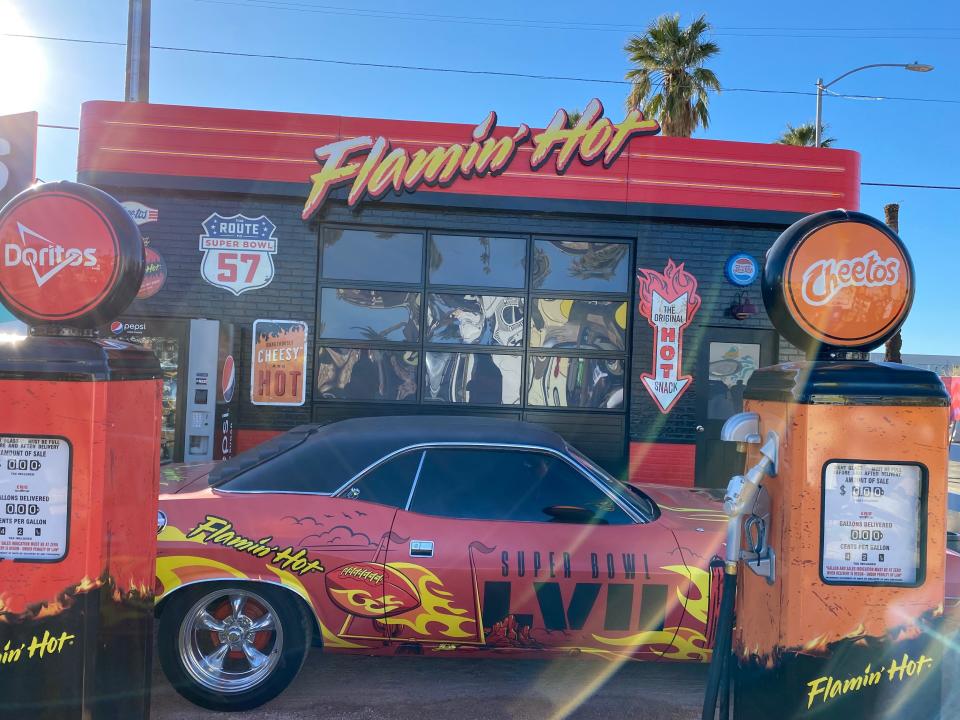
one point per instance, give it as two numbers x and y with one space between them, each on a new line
909 142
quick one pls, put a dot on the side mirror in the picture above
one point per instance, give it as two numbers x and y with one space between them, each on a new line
571 514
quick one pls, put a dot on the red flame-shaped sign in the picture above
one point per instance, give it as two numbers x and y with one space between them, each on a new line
669 301
673 282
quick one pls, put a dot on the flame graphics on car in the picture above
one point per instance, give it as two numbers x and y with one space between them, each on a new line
675 643
436 607
668 300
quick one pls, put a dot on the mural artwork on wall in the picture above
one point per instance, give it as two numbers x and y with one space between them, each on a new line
668 300
238 252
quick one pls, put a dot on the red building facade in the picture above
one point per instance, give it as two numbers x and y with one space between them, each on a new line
598 278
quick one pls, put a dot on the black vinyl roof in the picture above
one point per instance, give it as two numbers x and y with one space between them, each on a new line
341 450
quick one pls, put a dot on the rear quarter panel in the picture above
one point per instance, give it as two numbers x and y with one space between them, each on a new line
288 540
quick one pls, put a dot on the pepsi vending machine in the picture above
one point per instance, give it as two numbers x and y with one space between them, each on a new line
199 383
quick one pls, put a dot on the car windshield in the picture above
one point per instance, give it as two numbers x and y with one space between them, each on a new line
629 494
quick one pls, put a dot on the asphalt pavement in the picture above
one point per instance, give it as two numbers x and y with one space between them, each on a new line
412 688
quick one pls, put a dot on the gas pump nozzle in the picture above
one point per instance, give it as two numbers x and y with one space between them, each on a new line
742 492
739 501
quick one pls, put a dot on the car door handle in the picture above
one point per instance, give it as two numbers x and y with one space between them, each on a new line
421 548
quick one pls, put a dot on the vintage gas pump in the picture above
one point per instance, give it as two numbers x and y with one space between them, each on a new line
79 465
838 525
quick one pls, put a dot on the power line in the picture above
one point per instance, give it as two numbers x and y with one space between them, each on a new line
921 187
745 31
63 39
457 71
58 127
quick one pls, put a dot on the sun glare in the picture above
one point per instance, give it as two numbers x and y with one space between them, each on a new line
23 66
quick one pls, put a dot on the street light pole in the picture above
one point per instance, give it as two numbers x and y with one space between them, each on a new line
912 67
816 140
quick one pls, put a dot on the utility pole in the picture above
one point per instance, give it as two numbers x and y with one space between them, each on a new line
138 52
891 351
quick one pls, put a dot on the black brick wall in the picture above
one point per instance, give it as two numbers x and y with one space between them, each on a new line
704 249
702 246
291 295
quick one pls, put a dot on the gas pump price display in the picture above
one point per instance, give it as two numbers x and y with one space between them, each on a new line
34 497
871 523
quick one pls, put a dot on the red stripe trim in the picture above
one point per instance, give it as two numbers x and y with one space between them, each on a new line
170 140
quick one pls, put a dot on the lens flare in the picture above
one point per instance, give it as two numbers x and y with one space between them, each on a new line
23 64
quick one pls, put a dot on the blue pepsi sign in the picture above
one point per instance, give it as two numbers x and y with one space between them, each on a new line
742 269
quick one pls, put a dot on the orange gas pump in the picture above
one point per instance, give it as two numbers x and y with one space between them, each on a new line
79 463
838 526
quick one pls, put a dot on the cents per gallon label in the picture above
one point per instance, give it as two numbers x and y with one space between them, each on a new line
34 497
871 523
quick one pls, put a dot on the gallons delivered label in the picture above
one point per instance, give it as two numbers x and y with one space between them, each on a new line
34 497
871 523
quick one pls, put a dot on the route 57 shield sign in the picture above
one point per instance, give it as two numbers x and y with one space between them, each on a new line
238 252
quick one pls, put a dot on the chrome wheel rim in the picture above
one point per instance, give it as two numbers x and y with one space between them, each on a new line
231 640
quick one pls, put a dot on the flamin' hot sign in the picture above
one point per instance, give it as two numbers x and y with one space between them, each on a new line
668 300
373 167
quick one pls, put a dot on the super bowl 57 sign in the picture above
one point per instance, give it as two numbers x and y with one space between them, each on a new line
238 252
668 301
386 168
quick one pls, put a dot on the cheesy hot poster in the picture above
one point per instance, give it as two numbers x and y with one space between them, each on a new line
279 362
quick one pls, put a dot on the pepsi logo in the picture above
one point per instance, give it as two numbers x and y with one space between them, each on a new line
228 379
116 327
742 269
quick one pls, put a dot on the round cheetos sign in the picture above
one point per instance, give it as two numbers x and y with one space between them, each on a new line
838 280
69 255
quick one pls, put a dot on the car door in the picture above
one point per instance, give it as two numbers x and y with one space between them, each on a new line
353 546
517 549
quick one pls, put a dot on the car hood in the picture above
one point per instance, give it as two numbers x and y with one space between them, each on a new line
686 502
178 477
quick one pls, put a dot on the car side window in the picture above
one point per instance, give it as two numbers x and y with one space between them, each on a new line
388 483
511 485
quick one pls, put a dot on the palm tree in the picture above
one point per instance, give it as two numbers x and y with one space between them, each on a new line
670 82
804 135
573 117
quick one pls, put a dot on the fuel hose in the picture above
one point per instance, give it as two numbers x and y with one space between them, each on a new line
720 663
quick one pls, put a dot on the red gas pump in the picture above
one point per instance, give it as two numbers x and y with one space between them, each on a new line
79 465
836 540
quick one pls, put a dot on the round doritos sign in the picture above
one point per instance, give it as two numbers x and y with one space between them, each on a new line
838 280
69 255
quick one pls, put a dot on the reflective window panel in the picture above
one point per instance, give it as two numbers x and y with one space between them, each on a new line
731 365
366 374
575 382
477 261
350 314
582 266
474 319
476 378
578 324
372 255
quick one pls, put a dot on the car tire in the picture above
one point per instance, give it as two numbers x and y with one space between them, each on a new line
232 646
